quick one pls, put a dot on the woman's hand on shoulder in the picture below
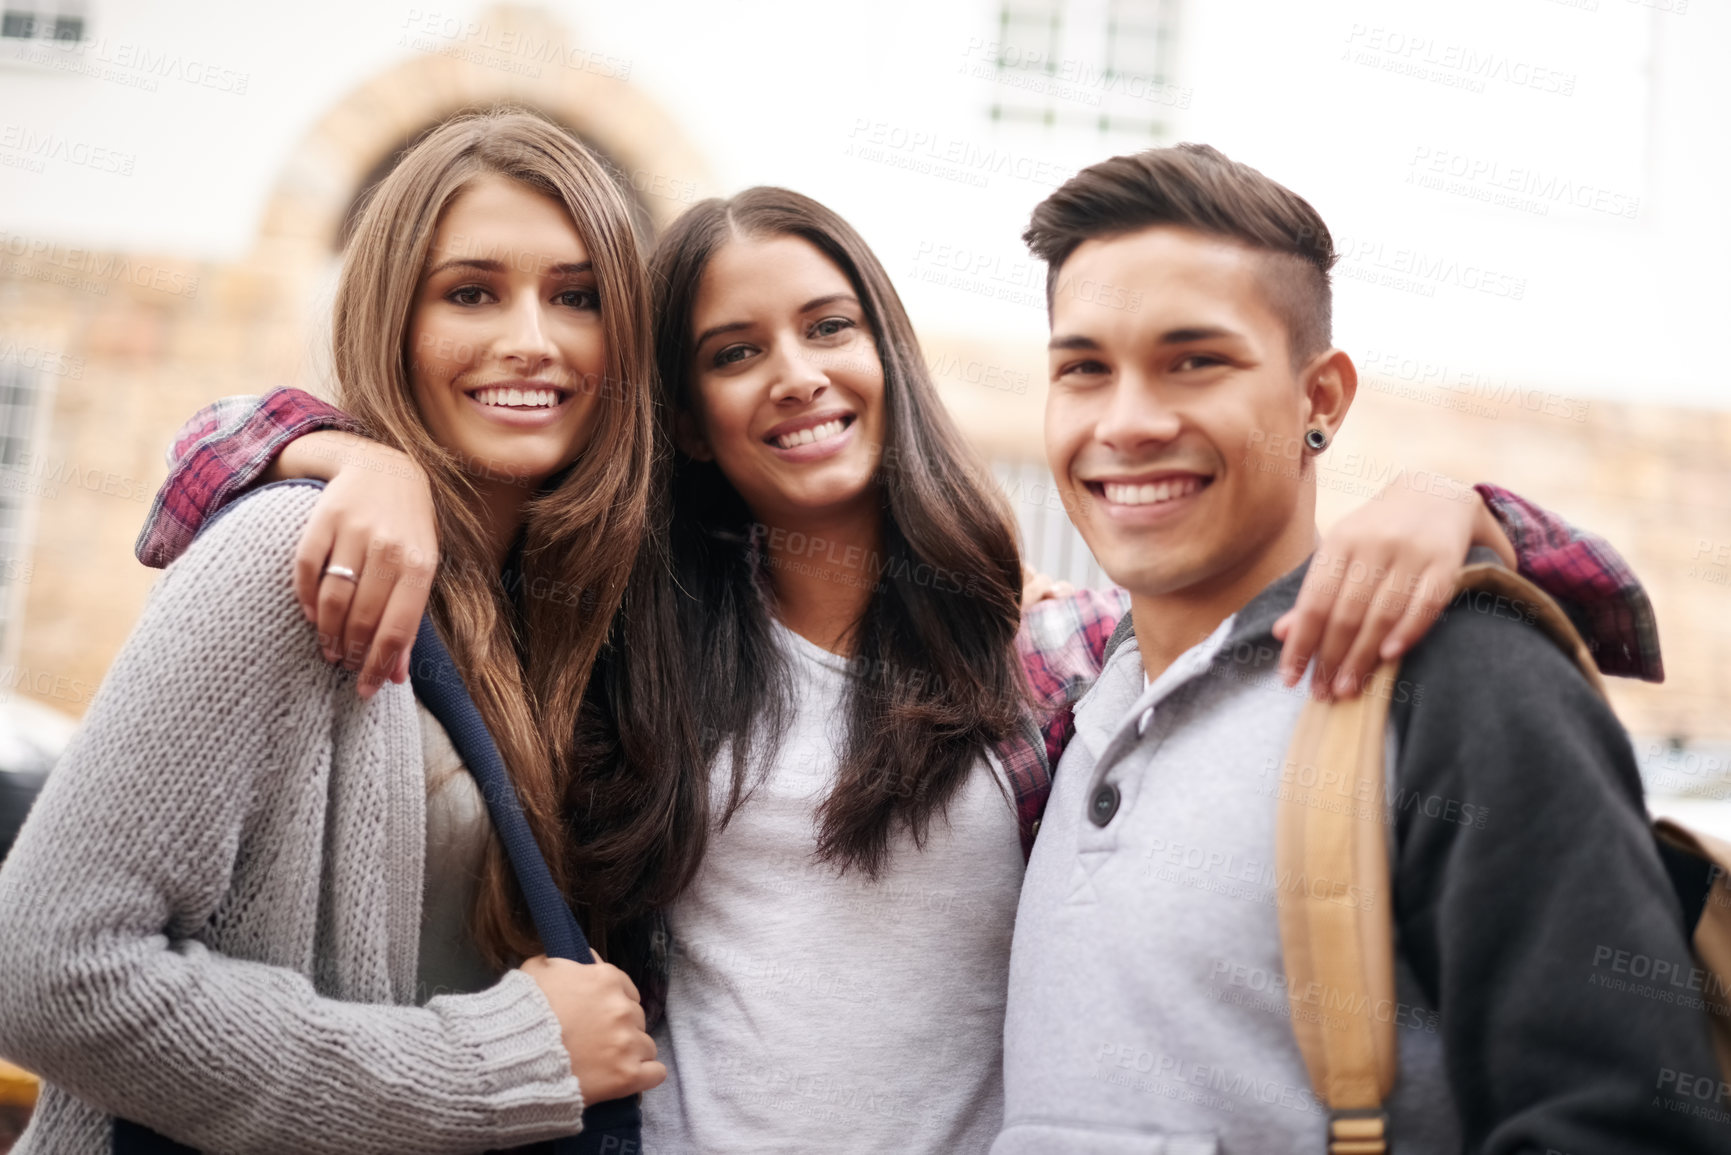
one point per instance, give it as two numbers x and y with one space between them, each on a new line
1380 579
365 564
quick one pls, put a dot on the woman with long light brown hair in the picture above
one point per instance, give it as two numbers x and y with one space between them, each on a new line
252 911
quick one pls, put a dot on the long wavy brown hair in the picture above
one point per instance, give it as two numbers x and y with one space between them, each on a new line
525 656
940 680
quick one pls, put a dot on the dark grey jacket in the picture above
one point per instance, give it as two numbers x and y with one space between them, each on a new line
1532 933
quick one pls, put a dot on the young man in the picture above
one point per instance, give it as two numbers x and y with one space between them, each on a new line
1192 380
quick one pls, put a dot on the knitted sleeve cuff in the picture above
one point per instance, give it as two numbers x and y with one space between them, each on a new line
521 1064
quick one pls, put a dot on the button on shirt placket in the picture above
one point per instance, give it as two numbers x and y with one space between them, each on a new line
1135 746
1119 775
1118 780
1123 765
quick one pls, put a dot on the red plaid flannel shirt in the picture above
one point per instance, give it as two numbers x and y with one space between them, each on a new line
228 444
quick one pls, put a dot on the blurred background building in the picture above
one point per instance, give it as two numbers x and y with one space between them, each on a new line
1526 193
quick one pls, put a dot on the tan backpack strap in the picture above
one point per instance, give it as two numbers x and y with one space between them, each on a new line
1331 854
1712 940
18 1087
1336 919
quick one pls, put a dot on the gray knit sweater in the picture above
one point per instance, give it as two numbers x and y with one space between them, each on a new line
209 923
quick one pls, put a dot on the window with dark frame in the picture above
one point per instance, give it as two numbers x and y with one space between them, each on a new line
65 25
20 405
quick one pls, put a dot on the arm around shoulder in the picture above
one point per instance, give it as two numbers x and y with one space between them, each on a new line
222 451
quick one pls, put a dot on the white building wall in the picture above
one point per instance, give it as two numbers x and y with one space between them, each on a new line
1343 100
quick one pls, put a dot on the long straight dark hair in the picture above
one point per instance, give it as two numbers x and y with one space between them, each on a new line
937 680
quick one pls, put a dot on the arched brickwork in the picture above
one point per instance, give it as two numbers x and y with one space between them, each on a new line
509 55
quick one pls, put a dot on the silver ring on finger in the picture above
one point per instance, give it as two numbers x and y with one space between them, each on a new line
342 571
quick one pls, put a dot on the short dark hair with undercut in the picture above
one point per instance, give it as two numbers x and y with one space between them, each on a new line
1196 186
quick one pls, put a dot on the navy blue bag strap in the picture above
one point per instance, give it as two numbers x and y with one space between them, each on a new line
613 1127
440 688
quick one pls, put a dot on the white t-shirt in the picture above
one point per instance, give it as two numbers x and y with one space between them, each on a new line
811 1011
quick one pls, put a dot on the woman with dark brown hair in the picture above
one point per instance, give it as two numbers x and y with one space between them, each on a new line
251 912
853 593
839 617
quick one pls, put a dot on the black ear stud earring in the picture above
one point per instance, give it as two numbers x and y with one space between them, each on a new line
1316 439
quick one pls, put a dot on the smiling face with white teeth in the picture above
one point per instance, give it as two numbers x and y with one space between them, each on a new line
787 383
506 348
1177 425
